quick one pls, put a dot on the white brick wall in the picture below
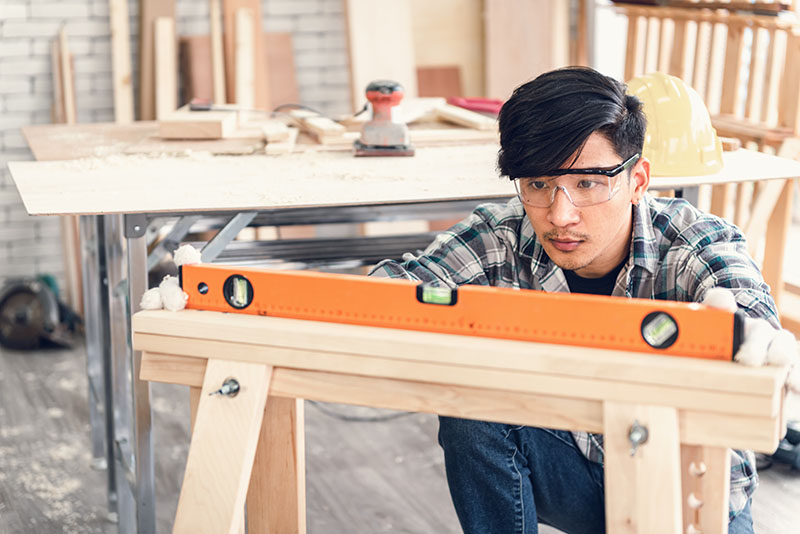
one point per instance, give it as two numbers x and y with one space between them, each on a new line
30 245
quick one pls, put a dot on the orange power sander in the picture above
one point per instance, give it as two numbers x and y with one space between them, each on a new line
381 136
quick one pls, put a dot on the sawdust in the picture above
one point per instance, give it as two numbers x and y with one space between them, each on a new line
67 384
65 452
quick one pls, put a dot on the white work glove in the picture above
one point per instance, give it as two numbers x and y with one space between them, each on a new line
762 343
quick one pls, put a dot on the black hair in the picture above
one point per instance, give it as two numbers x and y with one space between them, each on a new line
548 119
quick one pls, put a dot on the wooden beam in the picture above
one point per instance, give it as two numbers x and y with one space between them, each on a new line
705 481
465 117
377 30
67 78
245 59
470 375
149 11
121 61
223 449
166 67
217 58
185 124
261 81
276 499
642 488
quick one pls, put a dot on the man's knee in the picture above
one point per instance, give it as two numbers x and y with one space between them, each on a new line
466 434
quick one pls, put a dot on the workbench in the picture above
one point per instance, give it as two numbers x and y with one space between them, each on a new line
119 192
250 446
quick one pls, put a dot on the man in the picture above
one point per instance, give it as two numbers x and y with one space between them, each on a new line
571 140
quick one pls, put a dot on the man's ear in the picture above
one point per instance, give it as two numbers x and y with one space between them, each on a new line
640 179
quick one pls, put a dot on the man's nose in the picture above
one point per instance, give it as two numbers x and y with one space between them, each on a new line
562 212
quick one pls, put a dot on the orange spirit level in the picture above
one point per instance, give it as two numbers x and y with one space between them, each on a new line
642 325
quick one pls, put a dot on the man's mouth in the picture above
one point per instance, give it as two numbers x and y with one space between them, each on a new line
565 245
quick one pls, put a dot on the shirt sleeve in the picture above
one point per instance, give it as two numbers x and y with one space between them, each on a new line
720 259
471 252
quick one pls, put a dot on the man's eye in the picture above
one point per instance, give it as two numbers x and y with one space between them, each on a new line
537 185
587 184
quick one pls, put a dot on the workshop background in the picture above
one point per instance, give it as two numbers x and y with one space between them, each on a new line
383 473
32 245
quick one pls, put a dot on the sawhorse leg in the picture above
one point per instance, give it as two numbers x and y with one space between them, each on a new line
224 440
663 487
643 489
276 495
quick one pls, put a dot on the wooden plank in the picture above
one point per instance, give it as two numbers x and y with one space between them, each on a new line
549 411
244 59
223 449
705 474
196 71
439 81
450 32
166 67
643 491
195 393
57 111
275 131
276 499
769 93
275 148
67 78
261 81
465 117
457 350
513 28
149 11
777 233
632 46
215 47
731 82
721 198
789 103
85 187
281 68
678 64
185 124
377 30
121 61
763 205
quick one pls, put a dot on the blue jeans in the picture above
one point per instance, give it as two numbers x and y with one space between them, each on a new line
507 479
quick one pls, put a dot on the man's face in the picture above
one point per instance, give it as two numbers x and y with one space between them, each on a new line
592 240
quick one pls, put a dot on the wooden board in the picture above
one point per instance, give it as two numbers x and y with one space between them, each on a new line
439 81
194 326
217 56
185 124
524 38
280 65
196 70
166 66
121 61
380 46
125 184
450 32
149 10
197 73
244 62
63 142
261 83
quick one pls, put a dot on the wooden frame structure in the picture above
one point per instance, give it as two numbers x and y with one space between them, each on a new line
249 447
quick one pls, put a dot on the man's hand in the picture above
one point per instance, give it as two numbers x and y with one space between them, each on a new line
762 343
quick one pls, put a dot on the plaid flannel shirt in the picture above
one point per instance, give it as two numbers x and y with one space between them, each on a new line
677 253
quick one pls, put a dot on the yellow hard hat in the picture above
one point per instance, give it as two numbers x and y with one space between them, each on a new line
680 140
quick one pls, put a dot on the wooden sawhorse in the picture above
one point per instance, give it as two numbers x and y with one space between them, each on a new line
249 447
